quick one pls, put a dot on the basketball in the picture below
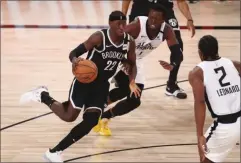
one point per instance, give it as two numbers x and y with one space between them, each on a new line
86 71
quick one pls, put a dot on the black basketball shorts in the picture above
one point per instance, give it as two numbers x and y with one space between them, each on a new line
172 20
92 95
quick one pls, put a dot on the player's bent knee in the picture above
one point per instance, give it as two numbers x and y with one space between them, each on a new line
71 113
91 116
134 103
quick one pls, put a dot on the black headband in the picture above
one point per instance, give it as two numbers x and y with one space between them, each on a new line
113 18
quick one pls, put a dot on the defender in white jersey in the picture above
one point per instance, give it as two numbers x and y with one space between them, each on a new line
216 81
148 32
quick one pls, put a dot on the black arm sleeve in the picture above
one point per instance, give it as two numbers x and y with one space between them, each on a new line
176 54
78 51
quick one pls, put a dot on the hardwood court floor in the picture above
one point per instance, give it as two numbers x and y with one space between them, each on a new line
32 57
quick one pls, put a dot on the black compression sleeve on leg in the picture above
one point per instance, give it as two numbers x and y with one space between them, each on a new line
174 56
90 119
124 106
173 76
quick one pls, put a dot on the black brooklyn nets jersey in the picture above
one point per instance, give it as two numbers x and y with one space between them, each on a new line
108 56
141 7
166 3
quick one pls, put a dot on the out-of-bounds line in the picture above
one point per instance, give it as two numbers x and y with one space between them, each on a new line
66 26
181 81
129 149
18 123
33 118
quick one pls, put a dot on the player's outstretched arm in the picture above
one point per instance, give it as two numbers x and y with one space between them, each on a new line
184 8
131 57
125 6
133 28
237 66
196 81
172 43
94 40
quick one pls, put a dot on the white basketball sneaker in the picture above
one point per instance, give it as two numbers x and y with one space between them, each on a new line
53 157
33 95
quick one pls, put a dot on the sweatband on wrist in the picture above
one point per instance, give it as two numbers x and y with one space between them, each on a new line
78 51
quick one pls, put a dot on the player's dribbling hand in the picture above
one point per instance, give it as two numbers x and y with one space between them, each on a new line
134 89
191 27
75 62
166 65
202 147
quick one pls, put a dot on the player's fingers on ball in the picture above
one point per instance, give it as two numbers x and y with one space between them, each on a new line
139 93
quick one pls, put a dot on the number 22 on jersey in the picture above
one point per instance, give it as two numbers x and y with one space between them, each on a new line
110 65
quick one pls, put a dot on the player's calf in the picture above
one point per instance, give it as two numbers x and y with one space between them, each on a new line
90 119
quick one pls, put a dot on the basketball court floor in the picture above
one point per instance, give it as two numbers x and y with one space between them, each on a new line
162 129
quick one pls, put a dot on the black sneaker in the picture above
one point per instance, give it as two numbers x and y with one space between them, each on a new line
174 90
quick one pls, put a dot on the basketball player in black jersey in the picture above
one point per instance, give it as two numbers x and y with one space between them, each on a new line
106 49
154 24
141 8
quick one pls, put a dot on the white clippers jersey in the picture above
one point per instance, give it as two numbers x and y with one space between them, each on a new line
144 46
222 86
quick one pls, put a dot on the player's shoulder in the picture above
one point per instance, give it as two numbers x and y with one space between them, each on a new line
167 31
99 34
195 73
97 38
139 20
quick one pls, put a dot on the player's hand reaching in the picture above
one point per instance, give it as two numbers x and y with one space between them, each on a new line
191 27
134 89
166 65
202 147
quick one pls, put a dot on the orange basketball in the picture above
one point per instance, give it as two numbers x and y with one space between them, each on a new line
86 71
